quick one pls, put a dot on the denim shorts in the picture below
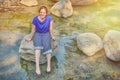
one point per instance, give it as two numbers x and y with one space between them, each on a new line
42 41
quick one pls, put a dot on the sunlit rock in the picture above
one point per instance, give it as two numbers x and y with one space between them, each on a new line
80 2
112 45
62 8
89 43
29 2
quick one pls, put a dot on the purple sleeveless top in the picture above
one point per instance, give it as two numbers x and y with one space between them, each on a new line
42 27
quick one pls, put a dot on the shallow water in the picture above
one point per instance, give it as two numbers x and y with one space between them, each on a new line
97 18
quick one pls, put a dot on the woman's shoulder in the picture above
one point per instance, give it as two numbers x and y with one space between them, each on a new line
49 16
35 17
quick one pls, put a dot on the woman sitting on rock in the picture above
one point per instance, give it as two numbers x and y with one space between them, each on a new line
41 34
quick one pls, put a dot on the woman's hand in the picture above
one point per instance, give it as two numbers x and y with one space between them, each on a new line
53 38
28 39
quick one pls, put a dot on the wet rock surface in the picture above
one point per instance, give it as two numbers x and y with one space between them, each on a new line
26 50
10 67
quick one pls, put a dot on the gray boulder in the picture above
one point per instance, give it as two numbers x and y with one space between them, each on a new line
62 8
89 43
112 45
26 51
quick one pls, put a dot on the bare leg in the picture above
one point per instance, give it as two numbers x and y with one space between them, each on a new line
48 62
37 56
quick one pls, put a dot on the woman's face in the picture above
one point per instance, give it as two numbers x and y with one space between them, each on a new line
42 13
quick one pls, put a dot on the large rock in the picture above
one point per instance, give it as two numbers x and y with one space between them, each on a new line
112 45
80 2
62 8
29 2
89 43
26 51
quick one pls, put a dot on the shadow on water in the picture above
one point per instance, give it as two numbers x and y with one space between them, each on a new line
60 56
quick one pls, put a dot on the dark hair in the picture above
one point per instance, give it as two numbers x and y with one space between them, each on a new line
43 7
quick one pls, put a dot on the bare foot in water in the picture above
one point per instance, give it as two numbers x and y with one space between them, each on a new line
38 72
48 69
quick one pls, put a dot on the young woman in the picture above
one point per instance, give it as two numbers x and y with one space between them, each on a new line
41 34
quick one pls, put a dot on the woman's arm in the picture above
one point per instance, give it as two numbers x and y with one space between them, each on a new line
31 34
32 31
51 30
